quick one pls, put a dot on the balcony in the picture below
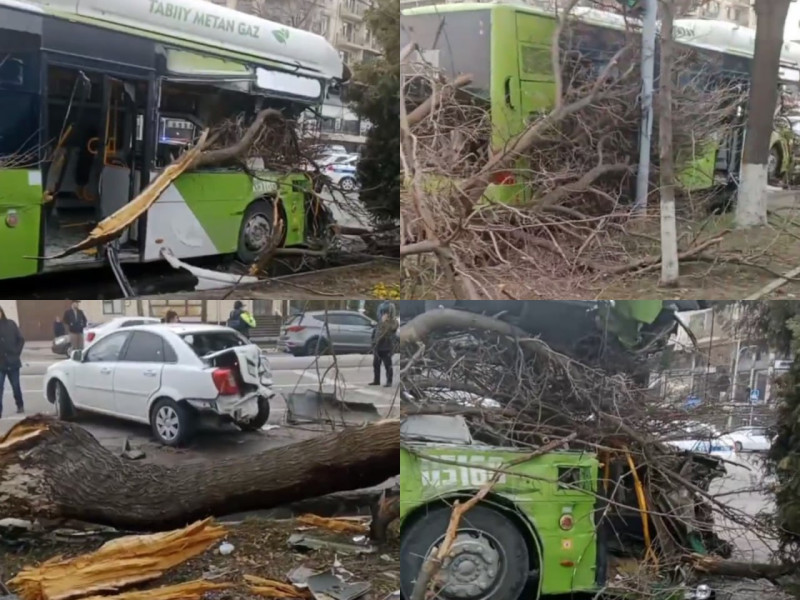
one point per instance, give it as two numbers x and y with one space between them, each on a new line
352 10
357 41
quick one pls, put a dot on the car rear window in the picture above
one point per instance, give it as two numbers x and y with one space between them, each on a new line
208 342
291 320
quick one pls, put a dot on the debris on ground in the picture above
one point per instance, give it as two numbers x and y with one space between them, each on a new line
130 452
342 525
261 551
116 564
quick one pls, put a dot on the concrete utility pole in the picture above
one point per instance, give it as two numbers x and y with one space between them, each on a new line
649 34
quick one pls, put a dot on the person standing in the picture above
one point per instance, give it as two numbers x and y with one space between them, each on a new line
76 322
11 344
58 328
383 343
171 317
241 320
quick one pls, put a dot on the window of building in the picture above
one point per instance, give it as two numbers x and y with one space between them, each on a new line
113 307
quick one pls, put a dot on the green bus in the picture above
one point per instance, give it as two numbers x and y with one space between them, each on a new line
99 96
507 49
562 522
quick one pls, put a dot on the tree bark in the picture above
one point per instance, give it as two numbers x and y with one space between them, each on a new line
731 568
669 234
751 205
55 470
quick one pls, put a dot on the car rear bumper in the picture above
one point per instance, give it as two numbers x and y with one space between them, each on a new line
231 408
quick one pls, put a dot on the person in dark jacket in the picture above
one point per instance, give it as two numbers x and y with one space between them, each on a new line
58 328
383 343
11 344
76 322
241 320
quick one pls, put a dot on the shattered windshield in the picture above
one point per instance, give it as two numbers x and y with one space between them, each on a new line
206 343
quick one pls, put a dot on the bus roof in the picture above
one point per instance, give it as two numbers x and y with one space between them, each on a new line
204 23
708 34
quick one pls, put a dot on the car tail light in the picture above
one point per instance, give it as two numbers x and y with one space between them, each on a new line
503 178
566 522
330 168
90 336
225 382
294 328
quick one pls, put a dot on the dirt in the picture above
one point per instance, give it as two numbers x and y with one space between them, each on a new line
369 280
260 548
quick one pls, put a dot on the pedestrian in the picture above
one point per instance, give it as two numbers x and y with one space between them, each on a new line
384 338
241 320
58 328
11 344
171 317
76 322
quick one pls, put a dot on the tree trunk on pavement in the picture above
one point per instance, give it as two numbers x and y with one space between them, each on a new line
55 470
669 233
751 205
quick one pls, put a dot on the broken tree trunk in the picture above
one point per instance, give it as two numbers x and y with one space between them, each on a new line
731 568
55 470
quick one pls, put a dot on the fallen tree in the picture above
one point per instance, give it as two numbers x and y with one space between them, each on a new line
55 470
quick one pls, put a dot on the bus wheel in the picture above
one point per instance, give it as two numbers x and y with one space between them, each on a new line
489 558
256 231
774 164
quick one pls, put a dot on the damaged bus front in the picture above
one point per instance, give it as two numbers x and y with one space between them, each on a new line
555 523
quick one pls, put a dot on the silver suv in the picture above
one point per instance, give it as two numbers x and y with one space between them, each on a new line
306 334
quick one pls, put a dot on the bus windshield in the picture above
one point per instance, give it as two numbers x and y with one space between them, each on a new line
456 42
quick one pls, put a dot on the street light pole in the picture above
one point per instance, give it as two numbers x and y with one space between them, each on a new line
649 33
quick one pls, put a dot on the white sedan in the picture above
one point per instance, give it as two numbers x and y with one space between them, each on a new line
168 376
720 446
751 439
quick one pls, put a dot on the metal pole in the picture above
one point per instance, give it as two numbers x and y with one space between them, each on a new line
649 34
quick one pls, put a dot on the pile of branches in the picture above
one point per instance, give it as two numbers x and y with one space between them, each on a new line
580 158
515 391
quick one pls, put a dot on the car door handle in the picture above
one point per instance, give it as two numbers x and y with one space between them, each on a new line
150 373
105 370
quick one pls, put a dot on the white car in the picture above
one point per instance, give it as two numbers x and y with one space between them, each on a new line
92 334
751 439
168 376
344 172
720 446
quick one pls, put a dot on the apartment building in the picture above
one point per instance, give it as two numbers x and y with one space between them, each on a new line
341 22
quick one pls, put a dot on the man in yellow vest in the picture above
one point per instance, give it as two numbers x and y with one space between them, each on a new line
241 320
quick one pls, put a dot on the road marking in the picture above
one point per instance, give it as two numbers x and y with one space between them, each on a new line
356 388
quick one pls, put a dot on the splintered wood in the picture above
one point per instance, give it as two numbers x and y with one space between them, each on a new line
340 525
20 433
191 590
118 563
269 588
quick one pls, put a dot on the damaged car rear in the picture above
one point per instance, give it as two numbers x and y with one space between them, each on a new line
171 377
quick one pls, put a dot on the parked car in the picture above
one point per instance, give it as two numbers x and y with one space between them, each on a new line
94 333
306 334
342 172
63 345
720 446
751 439
168 376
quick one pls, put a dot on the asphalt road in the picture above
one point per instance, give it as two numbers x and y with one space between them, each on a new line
290 374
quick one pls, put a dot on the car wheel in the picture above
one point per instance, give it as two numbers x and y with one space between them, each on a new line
738 446
172 423
256 231
259 420
316 347
65 410
490 560
348 184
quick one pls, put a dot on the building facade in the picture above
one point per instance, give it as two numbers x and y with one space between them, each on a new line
341 22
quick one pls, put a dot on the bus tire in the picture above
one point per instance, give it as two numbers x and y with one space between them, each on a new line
508 581
774 164
255 231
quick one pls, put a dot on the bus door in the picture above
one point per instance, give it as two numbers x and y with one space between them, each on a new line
537 84
120 169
